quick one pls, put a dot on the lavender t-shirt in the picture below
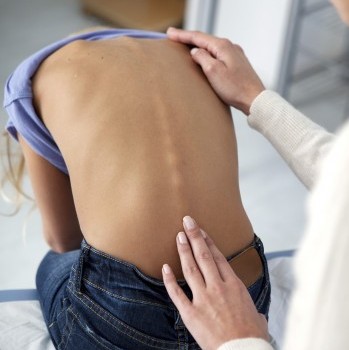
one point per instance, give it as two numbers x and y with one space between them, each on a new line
18 95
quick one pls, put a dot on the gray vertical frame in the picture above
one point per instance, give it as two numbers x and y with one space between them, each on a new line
211 21
290 47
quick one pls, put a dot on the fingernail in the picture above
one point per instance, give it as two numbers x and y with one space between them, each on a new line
166 268
203 234
194 50
182 238
189 223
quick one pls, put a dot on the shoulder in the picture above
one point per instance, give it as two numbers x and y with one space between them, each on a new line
56 72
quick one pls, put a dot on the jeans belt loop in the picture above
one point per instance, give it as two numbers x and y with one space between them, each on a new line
79 271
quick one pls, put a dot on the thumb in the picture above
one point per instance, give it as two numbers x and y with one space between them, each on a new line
203 58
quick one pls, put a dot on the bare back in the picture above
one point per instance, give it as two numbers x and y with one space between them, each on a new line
146 142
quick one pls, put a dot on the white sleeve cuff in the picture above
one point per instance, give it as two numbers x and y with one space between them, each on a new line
246 344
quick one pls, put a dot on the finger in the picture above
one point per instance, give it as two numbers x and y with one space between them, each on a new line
208 64
224 268
201 252
199 39
175 292
190 268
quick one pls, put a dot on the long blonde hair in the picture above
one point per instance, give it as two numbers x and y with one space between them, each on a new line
13 171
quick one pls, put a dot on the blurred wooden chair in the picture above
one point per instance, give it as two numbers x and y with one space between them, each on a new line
154 15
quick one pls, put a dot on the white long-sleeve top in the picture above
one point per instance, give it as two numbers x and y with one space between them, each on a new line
319 312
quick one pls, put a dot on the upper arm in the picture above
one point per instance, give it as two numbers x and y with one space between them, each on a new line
53 195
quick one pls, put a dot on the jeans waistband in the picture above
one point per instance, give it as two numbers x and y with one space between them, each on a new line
98 266
118 278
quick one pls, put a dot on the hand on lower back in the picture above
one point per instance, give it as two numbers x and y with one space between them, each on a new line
225 66
221 309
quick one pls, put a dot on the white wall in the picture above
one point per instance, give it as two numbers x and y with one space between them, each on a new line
259 26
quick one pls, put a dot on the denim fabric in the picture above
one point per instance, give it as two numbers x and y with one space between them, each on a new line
91 300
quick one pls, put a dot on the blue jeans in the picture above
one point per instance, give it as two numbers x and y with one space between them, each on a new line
91 300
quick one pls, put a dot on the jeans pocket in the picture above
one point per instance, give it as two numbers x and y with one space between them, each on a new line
82 336
106 328
61 328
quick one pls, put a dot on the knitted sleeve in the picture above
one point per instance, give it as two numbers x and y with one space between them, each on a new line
301 142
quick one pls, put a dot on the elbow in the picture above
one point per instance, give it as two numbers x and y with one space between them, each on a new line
60 248
63 244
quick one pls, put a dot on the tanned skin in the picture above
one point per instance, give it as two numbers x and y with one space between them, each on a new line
146 142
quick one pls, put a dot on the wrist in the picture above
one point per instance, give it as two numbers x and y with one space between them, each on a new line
248 100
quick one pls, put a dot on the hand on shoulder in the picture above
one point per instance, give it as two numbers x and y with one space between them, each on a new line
225 65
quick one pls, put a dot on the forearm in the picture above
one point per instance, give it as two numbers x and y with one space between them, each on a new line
54 199
302 143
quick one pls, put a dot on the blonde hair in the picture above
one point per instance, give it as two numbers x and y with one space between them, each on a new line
13 167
